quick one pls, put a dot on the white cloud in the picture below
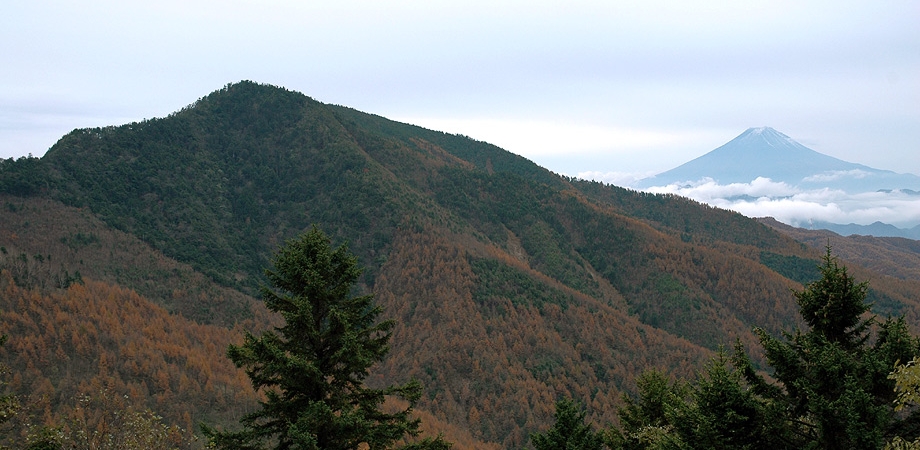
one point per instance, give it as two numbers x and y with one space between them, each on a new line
837 175
707 189
763 197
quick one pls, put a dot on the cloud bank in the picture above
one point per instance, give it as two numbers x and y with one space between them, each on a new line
792 205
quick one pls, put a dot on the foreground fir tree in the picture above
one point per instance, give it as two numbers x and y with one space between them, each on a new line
833 388
570 432
718 411
722 411
312 369
644 420
833 377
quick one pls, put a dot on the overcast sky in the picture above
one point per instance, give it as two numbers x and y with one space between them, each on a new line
611 89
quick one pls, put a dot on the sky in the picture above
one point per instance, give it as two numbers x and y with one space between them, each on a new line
609 90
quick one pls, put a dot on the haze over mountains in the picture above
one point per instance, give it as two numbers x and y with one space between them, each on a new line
763 172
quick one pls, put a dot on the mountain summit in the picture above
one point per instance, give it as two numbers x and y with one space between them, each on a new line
765 152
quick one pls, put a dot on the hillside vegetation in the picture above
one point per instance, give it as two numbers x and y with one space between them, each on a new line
511 286
892 256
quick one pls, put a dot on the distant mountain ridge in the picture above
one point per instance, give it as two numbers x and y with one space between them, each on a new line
874 229
767 153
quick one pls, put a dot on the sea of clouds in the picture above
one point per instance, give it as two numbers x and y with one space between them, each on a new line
792 205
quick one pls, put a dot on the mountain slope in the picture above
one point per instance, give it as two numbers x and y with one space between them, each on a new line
104 336
511 286
891 256
45 243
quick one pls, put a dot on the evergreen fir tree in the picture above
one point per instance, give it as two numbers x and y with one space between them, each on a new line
833 379
723 412
570 432
833 390
312 369
644 420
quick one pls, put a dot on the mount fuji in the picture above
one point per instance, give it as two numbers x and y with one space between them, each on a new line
767 153
763 172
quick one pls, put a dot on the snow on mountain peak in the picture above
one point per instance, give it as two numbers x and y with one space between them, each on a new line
769 136
764 130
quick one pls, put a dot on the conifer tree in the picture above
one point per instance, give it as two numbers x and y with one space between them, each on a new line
312 368
724 412
833 378
644 420
833 387
570 432
718 411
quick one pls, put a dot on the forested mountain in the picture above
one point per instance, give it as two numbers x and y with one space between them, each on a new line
891 256
511 286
